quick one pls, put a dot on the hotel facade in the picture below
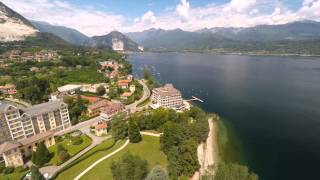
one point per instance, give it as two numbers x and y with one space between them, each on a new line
167 97
17 124
22 129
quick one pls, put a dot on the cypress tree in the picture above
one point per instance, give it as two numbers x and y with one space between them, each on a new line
134 132
42 155
35 174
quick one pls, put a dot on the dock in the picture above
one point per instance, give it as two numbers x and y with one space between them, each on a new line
195 99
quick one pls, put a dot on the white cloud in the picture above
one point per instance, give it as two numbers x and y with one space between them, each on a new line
235 13
88 21
240 6
183 9
148 18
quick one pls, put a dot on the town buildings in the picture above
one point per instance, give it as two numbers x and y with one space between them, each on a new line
69 88
17 124
104 106
107 112
39 56
167 97
8 89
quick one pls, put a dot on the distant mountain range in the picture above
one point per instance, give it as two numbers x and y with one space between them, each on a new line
116 40
265 38
302 37
71 35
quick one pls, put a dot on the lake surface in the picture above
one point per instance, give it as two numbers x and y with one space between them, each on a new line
273 103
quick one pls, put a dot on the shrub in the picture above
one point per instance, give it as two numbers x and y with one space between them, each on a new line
63 156
8 170
2 167
20 169
59 139
76 140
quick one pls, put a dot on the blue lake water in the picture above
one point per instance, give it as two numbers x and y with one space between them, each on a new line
273 104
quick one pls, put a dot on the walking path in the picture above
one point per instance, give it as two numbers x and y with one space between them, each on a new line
151 134
100 160
18 101
111 154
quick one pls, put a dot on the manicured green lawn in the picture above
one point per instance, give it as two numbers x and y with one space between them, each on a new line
13 176
96 152
72 149
84 75
148 149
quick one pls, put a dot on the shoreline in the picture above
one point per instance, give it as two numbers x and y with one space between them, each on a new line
238 53
208 152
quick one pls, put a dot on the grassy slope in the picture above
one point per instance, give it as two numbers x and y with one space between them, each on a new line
148 149
83 75
13 176
79 167
72 149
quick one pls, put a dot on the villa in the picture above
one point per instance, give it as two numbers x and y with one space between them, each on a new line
124 84
101 128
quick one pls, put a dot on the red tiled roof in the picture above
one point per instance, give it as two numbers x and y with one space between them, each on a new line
101 125
126 94
91 99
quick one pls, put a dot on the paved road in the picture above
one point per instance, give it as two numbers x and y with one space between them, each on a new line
146 94
78 126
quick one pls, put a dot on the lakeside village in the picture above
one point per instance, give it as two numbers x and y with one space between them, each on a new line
79 116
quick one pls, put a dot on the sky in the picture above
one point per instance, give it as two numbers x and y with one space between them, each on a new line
99 17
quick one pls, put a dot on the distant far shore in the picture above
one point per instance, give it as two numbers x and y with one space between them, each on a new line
236 53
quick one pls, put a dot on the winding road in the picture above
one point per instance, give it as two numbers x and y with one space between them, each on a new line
146 94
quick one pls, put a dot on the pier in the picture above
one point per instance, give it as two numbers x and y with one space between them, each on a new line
195 99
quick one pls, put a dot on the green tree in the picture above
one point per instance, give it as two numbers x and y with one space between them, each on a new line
146 74
188 159
172 136
41 155
119 127
229 171
134 132
129 167
32 94
157 173
35 173
101 90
